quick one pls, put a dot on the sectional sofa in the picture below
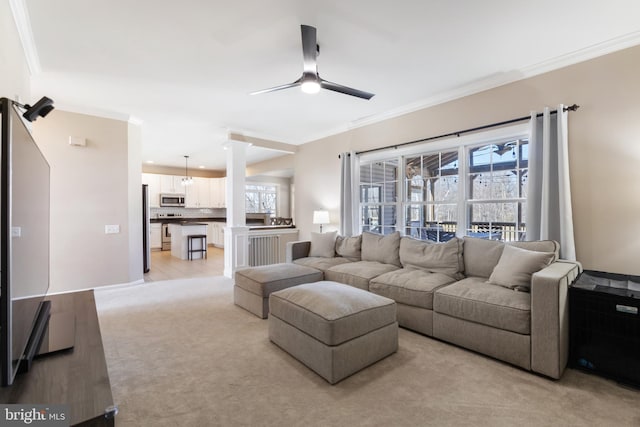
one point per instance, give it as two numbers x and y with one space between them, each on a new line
505 300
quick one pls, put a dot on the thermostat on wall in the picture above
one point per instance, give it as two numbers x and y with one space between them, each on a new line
77 141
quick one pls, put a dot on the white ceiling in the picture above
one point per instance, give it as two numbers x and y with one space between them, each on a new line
185 69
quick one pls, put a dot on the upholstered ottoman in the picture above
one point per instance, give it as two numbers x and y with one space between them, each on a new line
254 284
334 329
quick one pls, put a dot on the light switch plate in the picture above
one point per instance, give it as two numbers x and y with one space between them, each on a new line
16 231
111 229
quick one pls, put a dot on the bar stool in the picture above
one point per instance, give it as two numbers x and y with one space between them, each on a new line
203 245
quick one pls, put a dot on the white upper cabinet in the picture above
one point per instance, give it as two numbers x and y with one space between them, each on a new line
203 193
198 195
218 192
171 184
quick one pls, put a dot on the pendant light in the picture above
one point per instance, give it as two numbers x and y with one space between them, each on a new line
187 180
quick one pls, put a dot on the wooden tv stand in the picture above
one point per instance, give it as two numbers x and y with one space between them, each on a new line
78 376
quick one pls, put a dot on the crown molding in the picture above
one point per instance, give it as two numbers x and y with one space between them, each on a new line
23 25
98 112
491 82
599 49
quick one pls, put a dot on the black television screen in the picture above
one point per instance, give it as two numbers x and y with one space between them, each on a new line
24 243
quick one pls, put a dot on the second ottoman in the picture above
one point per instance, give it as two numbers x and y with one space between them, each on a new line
253 285
334 329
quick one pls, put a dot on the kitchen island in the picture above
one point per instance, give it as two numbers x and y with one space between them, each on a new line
179 237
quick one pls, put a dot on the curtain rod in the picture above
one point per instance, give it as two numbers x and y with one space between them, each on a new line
573 107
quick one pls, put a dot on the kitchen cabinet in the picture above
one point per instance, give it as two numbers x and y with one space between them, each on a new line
210 233
218 192
198 195
215 235
156 236
153 182
171 184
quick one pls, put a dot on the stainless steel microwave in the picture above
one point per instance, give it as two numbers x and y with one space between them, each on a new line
172 200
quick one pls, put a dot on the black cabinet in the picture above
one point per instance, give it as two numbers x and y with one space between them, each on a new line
605 325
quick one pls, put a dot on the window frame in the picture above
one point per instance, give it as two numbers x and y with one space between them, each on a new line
260 193
463 144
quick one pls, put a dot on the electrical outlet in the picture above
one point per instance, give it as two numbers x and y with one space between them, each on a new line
111 229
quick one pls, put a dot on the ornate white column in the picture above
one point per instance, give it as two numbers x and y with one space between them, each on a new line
236 233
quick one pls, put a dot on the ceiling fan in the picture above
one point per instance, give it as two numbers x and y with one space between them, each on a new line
310 82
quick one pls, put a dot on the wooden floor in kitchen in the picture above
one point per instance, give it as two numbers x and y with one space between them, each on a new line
166 267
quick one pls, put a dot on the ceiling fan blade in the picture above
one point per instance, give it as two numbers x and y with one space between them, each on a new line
309 48
346 90
276 88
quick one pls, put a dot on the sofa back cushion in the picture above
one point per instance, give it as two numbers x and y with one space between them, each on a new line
516 266
540 246
384 249
349 247
323 245
481 256
445 258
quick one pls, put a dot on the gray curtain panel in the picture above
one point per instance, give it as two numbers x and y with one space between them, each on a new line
549 215
348 194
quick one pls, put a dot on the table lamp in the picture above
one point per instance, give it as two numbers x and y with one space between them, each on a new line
321 217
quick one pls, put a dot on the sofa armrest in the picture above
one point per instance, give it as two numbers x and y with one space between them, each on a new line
550 317
298 249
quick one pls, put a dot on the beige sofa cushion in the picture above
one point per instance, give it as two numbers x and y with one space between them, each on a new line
323 244
321 263
383 249
409 286
445 258
331 312
481 256
540 246
475 300
349 247
516 266
358 273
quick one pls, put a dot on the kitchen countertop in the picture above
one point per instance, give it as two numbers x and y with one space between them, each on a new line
270 227
178 219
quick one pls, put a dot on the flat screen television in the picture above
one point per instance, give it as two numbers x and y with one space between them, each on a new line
24 243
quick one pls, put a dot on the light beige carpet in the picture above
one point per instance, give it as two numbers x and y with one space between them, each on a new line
180 353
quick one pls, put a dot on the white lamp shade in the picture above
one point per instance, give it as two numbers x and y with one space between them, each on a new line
321 217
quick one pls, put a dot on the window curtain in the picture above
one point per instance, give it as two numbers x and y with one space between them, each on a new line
348 194
549 215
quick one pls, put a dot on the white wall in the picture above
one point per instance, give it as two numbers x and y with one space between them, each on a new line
92 187
604 139
14 72
134 161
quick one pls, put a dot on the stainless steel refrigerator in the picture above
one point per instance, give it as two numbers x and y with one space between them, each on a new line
146 230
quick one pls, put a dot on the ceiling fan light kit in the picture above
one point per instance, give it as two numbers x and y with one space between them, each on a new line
310 82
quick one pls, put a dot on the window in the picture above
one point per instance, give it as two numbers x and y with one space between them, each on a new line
378 196
261 198
473 185
431 197
497 190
